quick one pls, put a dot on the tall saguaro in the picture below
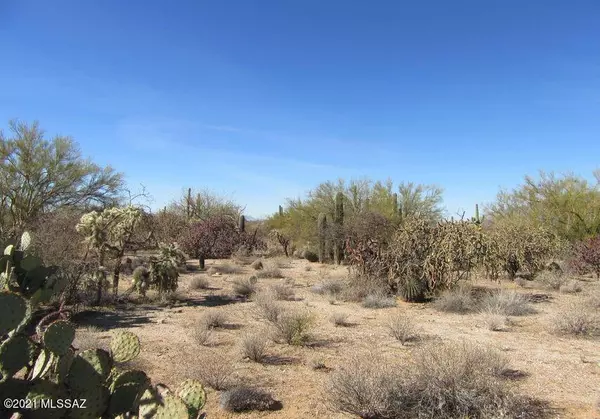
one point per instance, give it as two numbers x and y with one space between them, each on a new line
322 226
339 225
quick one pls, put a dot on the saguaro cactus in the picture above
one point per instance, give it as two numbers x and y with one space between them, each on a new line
242 224
339 224
280 211
322 225
189 204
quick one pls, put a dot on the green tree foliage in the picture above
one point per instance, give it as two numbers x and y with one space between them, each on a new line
299 221
38 175
567 205
204 204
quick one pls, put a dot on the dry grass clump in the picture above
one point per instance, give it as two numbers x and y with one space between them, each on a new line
214 318
552 280
257 265
244 399
378 300
214 370
254 346
329 287
229 269
523 283
270 272
457 300
507 303
402 328
199 283
267 306
339 319
447 381
202 334
578 320
571 287
494 321
245 287
282 292
294 327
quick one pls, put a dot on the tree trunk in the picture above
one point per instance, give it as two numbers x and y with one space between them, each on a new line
116 276
101 279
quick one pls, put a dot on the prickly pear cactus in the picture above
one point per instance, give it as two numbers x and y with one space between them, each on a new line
59 336
46 366
194 396
13 308
125 346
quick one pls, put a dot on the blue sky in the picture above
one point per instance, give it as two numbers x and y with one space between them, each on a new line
262 100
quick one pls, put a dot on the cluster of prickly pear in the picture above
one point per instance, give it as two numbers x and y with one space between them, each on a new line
43 367
22 272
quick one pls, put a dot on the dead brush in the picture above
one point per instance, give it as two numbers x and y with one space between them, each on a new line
254 346
507 303
214 370
267 306
402 328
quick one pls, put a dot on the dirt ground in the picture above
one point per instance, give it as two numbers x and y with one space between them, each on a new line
562 371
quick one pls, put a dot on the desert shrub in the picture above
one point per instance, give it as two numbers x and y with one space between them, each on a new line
257 264
507 303
402 328
329 287
571 287
493 320
202 334
141 273
214 371
551 279
242 399
586 256
225 268
578 320
367 387
456 300
282 292
270 272
216 237
254 346
461 380
308 268
268 307
214 318
378 300
294 327
447 381
310 256
339 319
245 287
199 283
318 364
522 246
521 282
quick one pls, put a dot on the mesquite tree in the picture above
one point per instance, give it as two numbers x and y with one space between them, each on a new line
214 238
109 233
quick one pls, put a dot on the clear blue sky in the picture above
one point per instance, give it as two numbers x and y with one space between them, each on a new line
262 100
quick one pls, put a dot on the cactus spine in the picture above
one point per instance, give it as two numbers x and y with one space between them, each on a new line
322 225
339 223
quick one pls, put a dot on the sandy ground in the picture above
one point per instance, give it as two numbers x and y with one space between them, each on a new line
563 371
